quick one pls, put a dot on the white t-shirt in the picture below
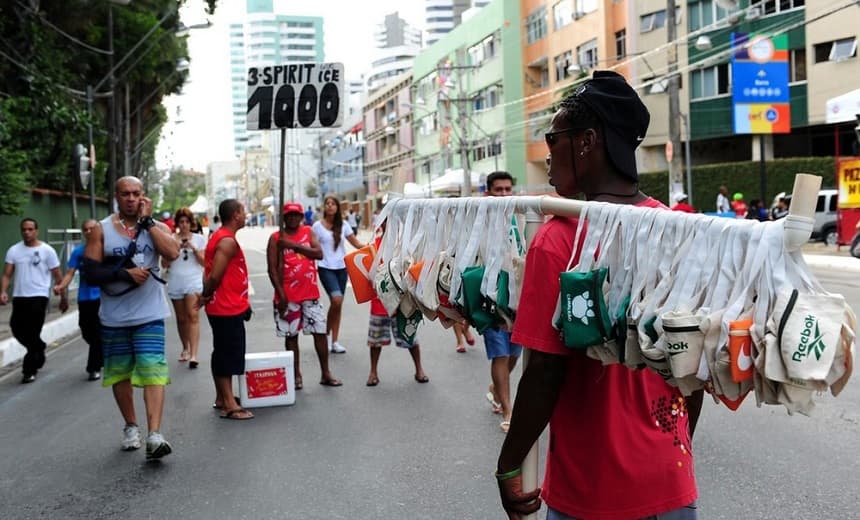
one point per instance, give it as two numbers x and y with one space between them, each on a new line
186 271
723 205
32 269
350 219
332 259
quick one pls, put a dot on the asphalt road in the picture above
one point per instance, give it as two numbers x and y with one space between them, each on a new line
398 450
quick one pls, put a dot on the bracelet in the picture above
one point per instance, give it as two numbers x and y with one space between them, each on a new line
509 475
146 222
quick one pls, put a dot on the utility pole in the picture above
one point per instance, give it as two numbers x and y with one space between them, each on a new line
463 122
112 116
676 172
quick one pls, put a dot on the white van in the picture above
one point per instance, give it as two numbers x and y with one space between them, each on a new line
824 228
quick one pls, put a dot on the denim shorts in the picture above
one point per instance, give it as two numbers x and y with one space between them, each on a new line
333 280
498 344
687 512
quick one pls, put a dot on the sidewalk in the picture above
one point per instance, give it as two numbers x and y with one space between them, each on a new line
59 327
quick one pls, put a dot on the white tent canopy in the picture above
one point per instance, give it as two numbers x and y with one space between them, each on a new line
201 205
452 180
844 108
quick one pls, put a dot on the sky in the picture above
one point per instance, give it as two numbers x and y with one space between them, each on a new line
199 129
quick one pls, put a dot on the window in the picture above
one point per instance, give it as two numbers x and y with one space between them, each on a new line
562 13
487 98
704 13
797 65
710 81
300 24
562 62
486 148
536 25
428 124
587 54
621 44
767 7
483 51
649 22
301 36
584 7
838 50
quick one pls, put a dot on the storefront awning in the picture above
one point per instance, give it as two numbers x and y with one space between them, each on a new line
844 108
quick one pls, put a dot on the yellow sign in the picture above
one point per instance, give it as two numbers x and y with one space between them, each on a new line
849 183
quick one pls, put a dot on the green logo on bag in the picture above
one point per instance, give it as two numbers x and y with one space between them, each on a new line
677 348
580 307
810 341
383 285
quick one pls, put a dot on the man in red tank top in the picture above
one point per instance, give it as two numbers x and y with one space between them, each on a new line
290 255
225 294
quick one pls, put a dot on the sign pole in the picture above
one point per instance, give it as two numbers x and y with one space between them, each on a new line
281 201
762 171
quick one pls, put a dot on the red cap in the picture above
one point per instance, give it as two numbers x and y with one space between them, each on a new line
292 207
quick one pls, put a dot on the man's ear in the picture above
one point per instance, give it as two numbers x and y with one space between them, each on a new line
589 140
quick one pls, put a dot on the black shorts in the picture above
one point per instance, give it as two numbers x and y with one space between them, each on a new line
228 341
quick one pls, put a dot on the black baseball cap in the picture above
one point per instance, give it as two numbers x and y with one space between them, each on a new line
625 118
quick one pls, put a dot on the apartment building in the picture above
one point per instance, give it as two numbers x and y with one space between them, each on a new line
468 97
388 132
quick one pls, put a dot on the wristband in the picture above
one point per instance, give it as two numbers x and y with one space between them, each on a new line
509 475
145 223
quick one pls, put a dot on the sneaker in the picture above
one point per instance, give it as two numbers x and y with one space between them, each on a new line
157 446
94 376
337 348
28 378
130 437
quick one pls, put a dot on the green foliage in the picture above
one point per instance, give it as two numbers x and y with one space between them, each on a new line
44 74
181 190
742 177
311 189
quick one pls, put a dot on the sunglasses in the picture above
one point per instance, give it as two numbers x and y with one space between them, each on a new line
552 137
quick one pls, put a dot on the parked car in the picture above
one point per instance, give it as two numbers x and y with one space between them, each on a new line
824 228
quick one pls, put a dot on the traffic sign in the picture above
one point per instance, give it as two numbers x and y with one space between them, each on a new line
761 100
296 95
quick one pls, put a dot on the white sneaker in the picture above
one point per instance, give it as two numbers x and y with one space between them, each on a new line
157 446
337 348
130 437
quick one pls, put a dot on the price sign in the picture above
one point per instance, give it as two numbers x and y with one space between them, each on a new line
296 95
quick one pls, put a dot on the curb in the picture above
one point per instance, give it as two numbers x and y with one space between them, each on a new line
841 264
11 351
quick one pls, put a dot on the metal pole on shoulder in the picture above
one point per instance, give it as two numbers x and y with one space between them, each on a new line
280 208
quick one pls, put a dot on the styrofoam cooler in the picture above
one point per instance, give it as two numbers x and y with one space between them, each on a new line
268 380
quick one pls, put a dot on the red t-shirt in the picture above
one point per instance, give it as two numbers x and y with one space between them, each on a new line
231 296
300 272
376 307
683 206
619 443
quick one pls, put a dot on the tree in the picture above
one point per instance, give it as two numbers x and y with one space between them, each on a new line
49 54
312 189
181 189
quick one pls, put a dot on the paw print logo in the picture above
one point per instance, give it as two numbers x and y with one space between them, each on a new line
582 307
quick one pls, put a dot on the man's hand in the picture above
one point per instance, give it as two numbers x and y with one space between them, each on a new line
282 307
145 207
58 289
514 501
201 301
138 274
285 243
64 304
4 298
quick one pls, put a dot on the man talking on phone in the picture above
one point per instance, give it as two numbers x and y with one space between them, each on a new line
122 256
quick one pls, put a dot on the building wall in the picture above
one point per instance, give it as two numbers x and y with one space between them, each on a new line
389 141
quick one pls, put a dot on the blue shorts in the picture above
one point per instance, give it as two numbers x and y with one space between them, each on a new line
333 280
498 344
684 513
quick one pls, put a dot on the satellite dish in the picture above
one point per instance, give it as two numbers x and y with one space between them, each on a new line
728 5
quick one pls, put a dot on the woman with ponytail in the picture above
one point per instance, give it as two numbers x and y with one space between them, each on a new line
333 232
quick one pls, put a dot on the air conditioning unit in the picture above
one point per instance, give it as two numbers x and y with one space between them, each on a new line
578 14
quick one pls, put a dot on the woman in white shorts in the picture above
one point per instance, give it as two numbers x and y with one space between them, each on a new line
185 283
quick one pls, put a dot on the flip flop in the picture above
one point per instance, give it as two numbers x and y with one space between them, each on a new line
239 414
461 348
331 382
216 407
299 385
192 364
422 379
505 426
497 407
373 382
470 341
184 356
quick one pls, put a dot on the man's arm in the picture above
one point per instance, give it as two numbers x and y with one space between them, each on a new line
64 298
537 394
8 271
64 283
224 252
274 264
312 251
163 241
